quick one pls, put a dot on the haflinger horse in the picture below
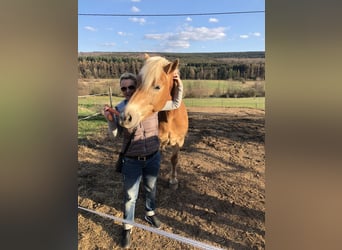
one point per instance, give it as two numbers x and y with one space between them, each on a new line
154 89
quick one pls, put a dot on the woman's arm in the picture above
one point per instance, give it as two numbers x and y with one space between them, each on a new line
177 96
111 116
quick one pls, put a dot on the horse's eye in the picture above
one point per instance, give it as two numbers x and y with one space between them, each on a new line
157 87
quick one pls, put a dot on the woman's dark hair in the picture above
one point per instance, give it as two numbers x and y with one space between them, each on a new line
130 76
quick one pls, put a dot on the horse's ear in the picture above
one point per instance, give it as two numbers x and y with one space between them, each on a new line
171 66
147 56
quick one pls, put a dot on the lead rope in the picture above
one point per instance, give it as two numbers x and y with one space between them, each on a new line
157 231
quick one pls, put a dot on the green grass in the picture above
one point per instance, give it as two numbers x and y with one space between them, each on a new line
210 84
257 102
96 101
89 106
91 126
192 88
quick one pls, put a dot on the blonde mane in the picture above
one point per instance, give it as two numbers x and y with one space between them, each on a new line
151 70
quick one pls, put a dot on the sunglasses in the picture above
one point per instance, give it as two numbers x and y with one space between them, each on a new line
131 87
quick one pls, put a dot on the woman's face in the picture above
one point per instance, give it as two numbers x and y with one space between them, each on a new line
128 88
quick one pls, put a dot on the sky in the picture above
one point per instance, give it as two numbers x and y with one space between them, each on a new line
194 28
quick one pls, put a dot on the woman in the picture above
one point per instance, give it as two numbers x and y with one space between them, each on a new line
142 157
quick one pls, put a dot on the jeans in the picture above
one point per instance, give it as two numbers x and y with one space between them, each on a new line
133 171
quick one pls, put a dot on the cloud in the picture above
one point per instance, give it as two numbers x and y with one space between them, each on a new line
108 44
158 36
137 20
135 9
201 33
90 28
191 33
121 33
256 34
188 19
135 1
178 44
213 20
186 35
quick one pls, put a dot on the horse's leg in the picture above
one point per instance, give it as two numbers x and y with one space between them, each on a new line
174 162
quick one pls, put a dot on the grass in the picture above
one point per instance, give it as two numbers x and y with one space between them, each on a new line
257 102
212 84
91 126
193 88
88 123
90 105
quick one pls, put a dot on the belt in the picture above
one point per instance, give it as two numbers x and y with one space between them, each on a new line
142 158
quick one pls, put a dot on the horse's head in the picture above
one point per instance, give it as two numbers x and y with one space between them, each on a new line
155 82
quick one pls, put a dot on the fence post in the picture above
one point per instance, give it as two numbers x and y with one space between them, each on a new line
110 97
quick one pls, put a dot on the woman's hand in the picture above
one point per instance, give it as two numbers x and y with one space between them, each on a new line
176 79
109 112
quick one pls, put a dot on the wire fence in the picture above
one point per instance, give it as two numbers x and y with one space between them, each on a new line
90 106
92 121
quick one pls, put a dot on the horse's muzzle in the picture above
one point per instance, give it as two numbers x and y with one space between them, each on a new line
126 120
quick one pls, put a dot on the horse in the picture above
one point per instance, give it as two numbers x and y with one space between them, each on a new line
154 89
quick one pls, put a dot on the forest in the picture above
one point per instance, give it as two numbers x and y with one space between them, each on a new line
197 66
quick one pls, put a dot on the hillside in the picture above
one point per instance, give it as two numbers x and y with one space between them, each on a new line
185 57
219 66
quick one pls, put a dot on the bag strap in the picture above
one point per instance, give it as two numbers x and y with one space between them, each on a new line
129 142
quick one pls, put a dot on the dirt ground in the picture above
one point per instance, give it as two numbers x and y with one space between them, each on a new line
221 196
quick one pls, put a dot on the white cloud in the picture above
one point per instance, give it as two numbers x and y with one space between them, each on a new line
183 38
188 19
256 34
121 33
158 36
135 1
135 9
201 33
213 20
178 44
137 20
90 28
108 44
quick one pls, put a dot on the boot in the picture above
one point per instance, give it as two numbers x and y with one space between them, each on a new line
126 238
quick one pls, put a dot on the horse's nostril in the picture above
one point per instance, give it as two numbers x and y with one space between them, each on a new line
129 118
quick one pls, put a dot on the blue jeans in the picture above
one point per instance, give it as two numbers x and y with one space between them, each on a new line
133 171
